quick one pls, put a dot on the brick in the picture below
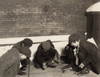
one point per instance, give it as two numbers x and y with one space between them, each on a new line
28 18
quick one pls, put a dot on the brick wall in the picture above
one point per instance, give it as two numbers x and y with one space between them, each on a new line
42 17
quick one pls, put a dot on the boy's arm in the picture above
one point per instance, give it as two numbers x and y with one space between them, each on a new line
85 58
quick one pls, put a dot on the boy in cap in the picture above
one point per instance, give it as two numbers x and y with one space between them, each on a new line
25 60
44 55
87 54
10 61
70 58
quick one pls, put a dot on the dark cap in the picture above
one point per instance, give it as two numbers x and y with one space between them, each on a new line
74 37
27 42
46 45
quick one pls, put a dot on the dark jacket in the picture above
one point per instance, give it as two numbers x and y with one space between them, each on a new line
88 55
69 54
9 63
41 56
24 50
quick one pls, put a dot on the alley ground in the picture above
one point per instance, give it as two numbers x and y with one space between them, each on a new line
55 72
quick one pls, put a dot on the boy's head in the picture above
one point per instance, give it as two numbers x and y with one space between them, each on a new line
27 42
46 45
74 40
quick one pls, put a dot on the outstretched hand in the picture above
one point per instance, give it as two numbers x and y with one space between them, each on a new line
84 71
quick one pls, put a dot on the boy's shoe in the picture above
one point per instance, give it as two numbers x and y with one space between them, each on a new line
51 65
23 68
21 73
76 68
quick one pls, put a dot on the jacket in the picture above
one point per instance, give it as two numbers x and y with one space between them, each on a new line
88 55
9 63
41 56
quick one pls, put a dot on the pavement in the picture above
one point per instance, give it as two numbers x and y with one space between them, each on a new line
55 72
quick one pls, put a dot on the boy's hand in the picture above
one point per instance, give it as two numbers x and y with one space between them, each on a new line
84 71
81 65
44 65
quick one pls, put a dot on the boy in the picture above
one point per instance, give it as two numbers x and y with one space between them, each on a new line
87 53
24 61
69 58
44 55
10 61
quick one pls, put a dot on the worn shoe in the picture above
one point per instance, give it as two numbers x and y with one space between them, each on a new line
51 65
76 68
21 73
23 68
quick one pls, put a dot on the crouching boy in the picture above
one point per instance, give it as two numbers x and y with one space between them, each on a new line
45 55
10 61
87 54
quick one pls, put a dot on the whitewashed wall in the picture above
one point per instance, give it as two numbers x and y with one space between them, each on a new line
62 41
